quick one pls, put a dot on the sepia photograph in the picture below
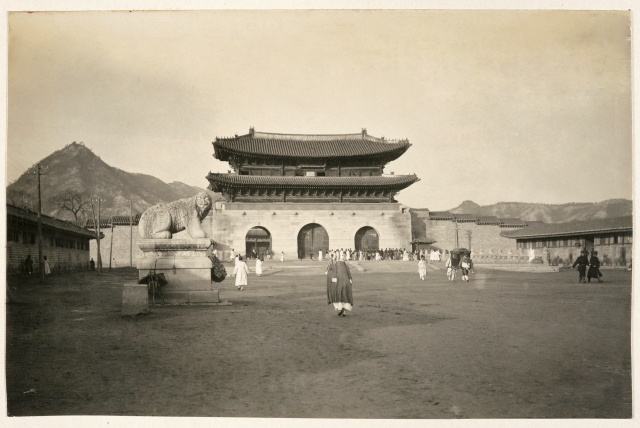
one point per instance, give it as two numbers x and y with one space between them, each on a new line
313 215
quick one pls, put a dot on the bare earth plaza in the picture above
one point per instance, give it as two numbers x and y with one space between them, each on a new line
544 344
181 262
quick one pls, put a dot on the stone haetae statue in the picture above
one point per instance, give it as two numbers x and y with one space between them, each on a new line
163 220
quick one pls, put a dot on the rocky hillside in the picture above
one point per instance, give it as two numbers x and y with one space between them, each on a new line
77 168
549 213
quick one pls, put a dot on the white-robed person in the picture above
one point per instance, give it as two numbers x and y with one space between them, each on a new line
241 272
232 255
259 266
282 256
422 268
451 272
47 267
405 256
320 255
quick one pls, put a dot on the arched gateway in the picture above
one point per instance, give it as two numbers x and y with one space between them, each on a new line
258 239
311 239
366 239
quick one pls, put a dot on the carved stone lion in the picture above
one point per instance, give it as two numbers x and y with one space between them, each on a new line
163 220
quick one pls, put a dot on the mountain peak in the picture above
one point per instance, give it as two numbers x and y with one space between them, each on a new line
467 207
549 213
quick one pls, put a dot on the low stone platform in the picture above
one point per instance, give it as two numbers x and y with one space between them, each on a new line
186 267
512 267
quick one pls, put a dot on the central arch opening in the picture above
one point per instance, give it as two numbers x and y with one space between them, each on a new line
311 239
257 241
366 239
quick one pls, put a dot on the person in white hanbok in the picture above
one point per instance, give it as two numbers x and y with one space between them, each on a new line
405 256
241 272
235 264
422 268
232 255
47 267
451 272
282 256
259 266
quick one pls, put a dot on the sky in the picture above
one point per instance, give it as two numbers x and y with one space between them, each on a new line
514 106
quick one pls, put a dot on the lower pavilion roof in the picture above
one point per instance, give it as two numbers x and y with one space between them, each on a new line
396 182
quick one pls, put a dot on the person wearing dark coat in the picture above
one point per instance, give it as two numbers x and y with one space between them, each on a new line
594 269
28 265
340 288
582 264
330 274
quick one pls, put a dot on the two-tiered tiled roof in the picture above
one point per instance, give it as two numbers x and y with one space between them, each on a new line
539 230
308 146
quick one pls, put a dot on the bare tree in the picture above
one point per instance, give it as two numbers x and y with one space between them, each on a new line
72 201
19 198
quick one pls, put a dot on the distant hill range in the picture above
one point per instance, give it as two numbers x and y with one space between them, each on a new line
78 169
549 213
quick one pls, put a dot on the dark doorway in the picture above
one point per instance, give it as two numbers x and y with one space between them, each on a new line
366 239
311 239
258 239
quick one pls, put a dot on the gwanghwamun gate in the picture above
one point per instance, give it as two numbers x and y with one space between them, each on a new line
301 194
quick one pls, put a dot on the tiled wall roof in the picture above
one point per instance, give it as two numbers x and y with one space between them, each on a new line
616 224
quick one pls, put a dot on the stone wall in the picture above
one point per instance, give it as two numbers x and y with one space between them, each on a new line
229 225
60 258
419 219
483 237
121 249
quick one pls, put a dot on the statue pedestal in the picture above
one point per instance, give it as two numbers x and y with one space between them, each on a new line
185 264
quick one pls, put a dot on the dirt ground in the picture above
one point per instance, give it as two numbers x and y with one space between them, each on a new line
504 345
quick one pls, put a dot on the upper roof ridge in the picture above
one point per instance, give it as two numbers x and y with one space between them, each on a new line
314 137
